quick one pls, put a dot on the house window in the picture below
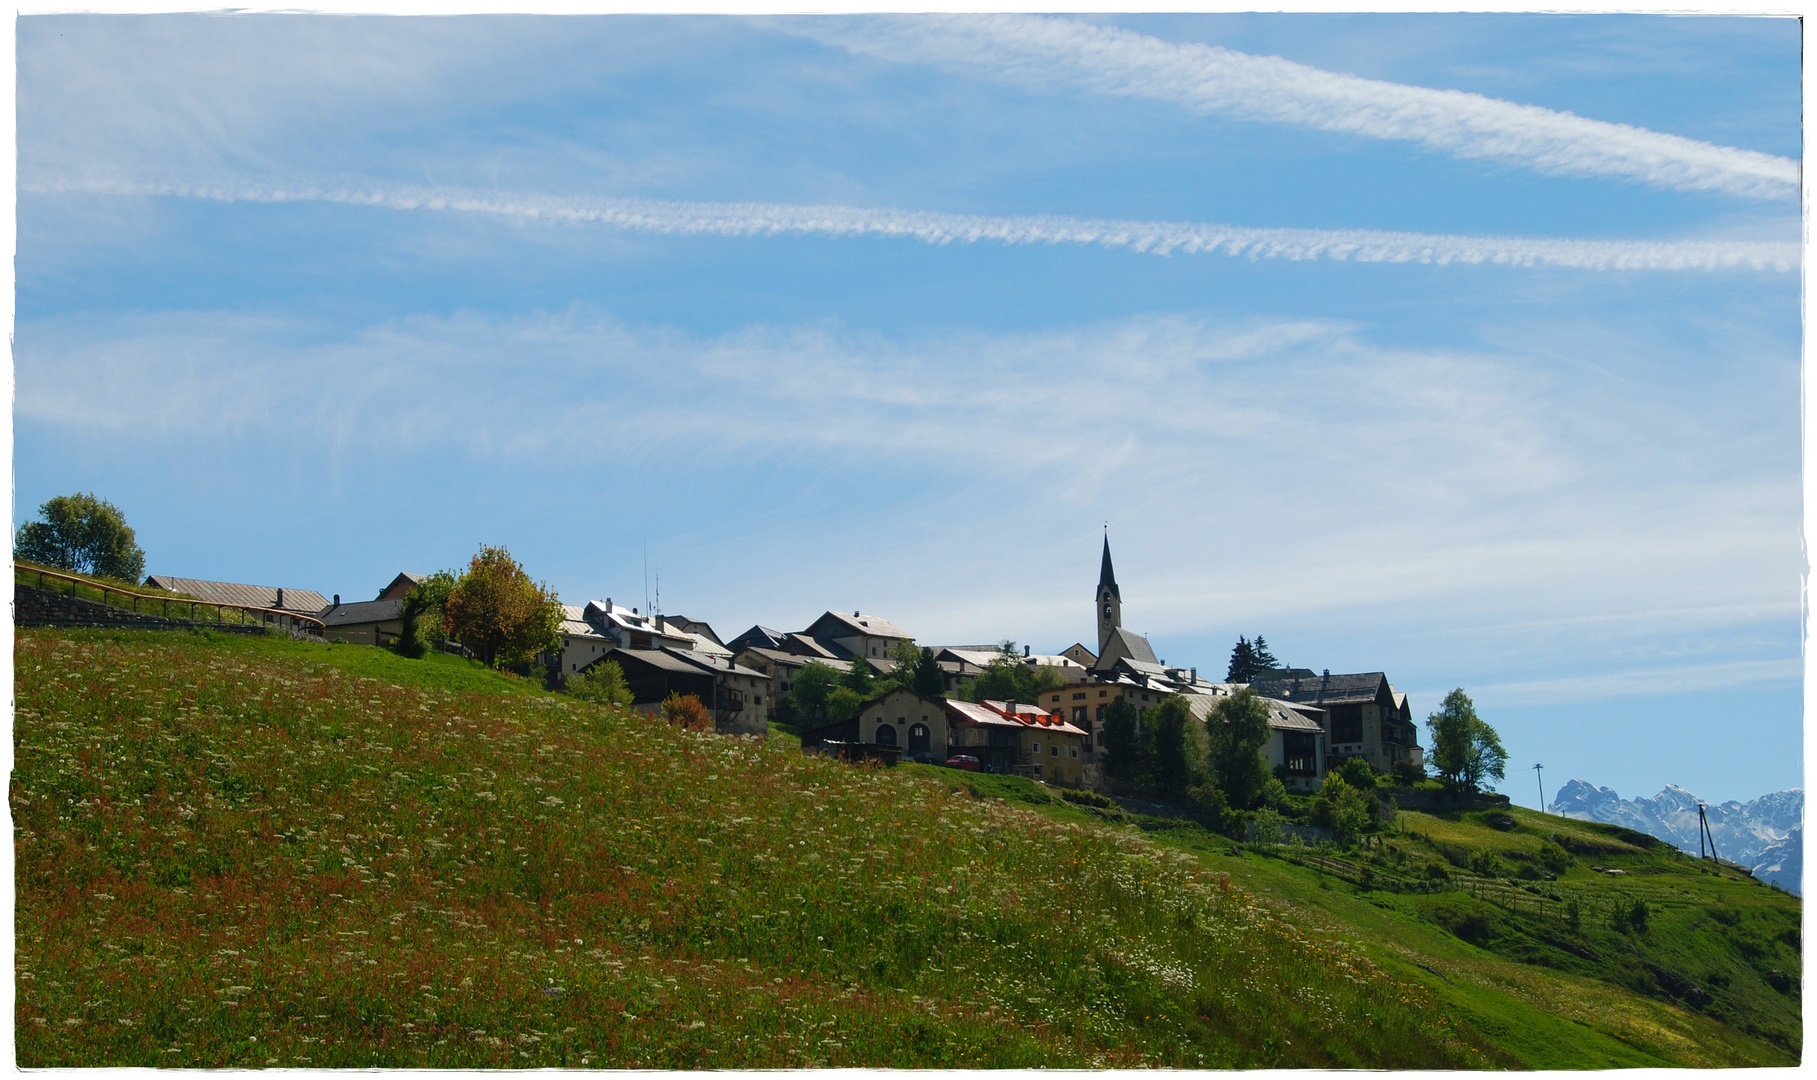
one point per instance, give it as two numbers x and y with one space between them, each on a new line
1299 752
1037 748
1076 697
1072 751
1144 697
1054 750
1100 716
1104 693
1347 723
1079 714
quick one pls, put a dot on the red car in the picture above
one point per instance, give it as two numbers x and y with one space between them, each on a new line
962 761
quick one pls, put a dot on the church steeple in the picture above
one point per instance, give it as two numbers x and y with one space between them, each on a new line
1108 601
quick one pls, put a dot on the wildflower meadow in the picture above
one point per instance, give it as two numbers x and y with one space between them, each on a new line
247 853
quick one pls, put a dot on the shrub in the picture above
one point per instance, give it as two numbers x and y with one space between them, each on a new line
603 683
1265 827
686 711
1555 858
1090 798
1409 773
1342 809
1358 773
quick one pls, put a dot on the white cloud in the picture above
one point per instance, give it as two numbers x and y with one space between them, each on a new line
929 227
1055 52
1643 682
1292 471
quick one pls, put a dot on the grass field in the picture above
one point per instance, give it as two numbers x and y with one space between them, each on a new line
255 852
1714 979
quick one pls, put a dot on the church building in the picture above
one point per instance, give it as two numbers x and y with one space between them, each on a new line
1114 642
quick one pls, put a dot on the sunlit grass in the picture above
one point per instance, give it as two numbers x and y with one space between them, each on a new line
236 854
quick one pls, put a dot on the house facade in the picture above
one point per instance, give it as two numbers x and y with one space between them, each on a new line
912 722
856 634
1365 717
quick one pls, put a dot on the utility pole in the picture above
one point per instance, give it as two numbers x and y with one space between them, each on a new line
1537 775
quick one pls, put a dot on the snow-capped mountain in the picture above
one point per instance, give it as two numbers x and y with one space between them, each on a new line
1766 833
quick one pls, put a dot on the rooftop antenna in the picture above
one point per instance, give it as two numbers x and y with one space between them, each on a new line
656 608
1537 775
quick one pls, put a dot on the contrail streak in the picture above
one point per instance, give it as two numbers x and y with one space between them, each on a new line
1045 52
929 227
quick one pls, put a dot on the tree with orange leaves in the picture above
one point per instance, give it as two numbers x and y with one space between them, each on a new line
499 613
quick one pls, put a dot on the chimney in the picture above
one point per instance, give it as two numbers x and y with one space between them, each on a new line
1025 649
854 614
1011 707
280 602
1195 674
337 599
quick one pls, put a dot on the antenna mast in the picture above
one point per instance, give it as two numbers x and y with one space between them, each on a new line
1537 775
1703 830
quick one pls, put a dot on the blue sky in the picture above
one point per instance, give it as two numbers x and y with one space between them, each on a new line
1460 347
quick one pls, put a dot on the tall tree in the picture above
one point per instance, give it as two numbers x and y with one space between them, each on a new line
1242 662
860 678
83 534
930 679
1264 660
422 616
1237 731
810 688
1122 743
496 610
1466 751
1176 746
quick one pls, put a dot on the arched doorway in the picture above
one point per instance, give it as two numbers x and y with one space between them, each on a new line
886 735
918 739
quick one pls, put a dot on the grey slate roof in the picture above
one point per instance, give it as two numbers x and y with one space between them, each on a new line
1134 646
1359 688
862 624
306 601
360 614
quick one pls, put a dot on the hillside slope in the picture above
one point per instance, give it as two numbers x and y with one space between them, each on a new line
252 852
1523 924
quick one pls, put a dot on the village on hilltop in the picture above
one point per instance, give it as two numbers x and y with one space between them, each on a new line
1316 720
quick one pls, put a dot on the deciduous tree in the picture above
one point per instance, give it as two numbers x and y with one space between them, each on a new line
496 610
1176 746
811 687
1466 751
1237 731
83 534
422 614
1122 744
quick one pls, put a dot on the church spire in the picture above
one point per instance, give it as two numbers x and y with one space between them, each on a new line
1107 578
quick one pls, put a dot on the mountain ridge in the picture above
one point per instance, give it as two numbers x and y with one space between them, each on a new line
1765 834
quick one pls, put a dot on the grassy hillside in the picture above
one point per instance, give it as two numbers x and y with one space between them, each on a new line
1538 966
253 852
257 852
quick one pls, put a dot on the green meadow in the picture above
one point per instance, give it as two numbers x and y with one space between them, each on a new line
247 852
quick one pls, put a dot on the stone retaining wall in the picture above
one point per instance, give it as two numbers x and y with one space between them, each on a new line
33 606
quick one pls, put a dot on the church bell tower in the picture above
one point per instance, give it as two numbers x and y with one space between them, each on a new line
1109 600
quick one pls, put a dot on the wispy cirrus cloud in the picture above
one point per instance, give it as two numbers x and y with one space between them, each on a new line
671 217
1057 52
